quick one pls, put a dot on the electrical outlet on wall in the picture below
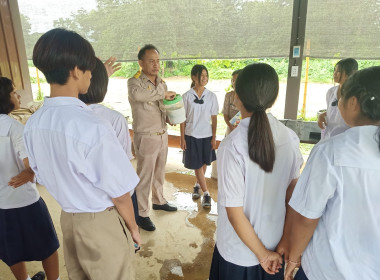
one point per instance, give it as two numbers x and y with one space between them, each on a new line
294 72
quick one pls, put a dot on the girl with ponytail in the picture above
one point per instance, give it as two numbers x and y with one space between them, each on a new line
335 225
258 165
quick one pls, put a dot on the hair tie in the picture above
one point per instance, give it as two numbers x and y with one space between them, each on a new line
259 108
372 98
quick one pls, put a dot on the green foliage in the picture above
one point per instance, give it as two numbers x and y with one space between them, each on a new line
320 70
40 95
306 149
128 69
33 80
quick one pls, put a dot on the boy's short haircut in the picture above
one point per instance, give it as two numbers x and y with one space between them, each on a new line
145 48
58 51
236 72
98 86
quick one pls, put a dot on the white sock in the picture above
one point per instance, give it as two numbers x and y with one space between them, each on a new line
58 278
28 278
206 193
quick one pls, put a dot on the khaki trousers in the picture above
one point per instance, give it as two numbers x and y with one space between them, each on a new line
151 154
97 246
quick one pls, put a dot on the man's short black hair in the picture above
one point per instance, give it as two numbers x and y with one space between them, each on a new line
98 87
145 48
6 87
58 51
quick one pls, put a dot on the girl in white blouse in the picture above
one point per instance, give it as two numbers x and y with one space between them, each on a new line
331 122
336 217
258 164
26 230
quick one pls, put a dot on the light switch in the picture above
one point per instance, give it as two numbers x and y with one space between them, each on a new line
294 72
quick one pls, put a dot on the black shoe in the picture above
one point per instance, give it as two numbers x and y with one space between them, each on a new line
206 201
146 223
196 193
165 207
39 276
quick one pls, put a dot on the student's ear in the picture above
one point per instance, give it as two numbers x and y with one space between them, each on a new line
76 72
353 104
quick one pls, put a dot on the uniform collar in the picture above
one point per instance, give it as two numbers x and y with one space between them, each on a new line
145 78
359 149
64 101
203 93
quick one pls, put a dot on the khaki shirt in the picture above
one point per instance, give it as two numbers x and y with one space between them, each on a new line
229 107
146 99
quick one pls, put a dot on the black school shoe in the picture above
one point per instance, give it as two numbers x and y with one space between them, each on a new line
165 207
39 276
146 223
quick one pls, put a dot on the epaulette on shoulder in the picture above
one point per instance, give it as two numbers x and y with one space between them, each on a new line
137 75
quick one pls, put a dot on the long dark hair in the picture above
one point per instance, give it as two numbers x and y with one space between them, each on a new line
365 86
6 87
257 87
197 72
348 66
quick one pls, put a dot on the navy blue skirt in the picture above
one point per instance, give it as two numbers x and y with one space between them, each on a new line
198 152
27 234
224 270
300 275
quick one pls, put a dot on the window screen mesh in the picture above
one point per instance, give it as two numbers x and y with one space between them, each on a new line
209 28
178 28
343 28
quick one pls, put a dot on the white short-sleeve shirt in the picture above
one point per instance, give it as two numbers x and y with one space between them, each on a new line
119 124
198 116
242 183
341 185
12 153
335 122
76 156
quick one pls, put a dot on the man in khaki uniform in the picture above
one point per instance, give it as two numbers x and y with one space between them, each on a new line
146 91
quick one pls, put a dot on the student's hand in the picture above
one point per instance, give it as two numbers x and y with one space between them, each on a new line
136 236
290 267
25 176
170 95
213 143
283 249
271 263
183 143
322 123
111 67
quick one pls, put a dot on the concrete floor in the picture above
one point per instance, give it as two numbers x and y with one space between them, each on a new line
182 245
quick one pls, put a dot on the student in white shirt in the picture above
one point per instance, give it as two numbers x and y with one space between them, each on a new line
198 136
331 122
26 230
336 217
258 165
79 160
95 95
